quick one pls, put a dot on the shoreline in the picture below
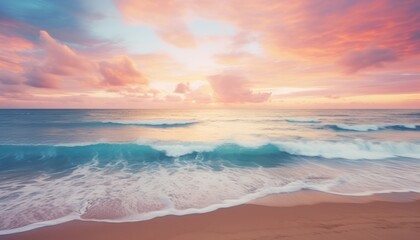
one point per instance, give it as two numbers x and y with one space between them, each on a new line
387 215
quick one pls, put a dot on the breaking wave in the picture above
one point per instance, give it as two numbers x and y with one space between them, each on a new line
368 128
120 182
264 154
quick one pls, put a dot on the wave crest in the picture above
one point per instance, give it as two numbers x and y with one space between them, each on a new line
144 123
302 120
369 128
266 154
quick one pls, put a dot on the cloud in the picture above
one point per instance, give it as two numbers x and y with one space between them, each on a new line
14 52
9 78
62 65
231 88
60 61
173 98
234 58
326 31
370 84
372 57
121 72
165 16
64 19
42 79
313 30
14 44
182 88
339 32
177 34
276 44
199 95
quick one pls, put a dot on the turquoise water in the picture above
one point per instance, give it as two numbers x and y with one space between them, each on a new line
129 165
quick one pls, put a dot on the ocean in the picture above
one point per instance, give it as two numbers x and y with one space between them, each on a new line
131 165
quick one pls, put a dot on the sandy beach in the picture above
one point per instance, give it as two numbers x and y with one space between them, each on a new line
310 215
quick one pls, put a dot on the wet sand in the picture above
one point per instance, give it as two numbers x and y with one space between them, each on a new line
310 215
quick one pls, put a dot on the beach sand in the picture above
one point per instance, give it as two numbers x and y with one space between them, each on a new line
303 215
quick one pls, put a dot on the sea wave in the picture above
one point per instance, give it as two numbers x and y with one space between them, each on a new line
266 154
153 123
121 182
369 128
302 120
147 123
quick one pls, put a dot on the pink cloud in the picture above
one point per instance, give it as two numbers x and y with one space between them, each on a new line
182 88
315 30
373 57
15 44
9 78
231 88
121 72
278 45
61 61
199 95
178 35
164 15
173 98
14 52
42 79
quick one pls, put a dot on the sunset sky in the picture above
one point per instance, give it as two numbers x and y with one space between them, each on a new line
210 54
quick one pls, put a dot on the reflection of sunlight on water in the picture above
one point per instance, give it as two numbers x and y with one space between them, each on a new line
212 125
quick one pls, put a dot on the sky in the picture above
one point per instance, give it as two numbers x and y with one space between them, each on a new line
300 54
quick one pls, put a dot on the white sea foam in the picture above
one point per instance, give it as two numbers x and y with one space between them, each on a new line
109 193
360 128
177 149
356 149
350 149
